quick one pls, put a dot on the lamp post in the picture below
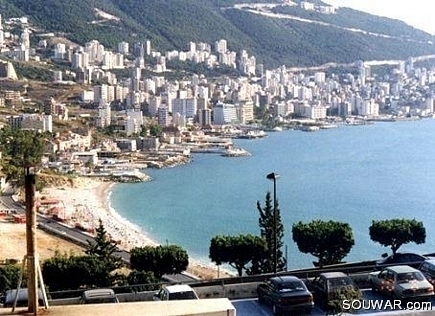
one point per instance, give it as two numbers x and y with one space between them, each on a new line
273 176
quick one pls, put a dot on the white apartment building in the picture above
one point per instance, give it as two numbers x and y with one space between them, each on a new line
245 112
185 107
104 92
77 60
220 46
224 114
123 48
315 112
95 51
369 108
104 114
59 51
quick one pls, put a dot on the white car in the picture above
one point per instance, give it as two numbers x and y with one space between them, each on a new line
401 282
176 292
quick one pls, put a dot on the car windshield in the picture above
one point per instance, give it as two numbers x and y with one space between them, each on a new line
188 295
339 282
291 286
409 277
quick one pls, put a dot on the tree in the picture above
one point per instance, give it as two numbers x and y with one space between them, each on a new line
63 272
142 280
104 248
237 251
396 232
267 225
329 241
21 149
160 260
9 276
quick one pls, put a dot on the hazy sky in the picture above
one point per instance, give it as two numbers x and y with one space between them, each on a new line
418 13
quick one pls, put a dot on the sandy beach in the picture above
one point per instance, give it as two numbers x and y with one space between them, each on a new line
87 201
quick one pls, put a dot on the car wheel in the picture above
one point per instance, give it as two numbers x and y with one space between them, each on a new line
276 310
260 299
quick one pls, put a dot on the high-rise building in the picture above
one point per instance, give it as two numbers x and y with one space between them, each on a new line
123 48
204 117
163 116
221 46
104 114
224 114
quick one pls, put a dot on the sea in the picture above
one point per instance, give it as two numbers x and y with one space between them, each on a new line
352 174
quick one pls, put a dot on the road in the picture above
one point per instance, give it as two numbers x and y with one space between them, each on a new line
251 307
75 235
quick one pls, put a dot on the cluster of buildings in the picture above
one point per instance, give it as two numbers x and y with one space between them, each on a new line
204 102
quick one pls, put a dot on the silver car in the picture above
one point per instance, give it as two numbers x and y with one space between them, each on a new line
401 282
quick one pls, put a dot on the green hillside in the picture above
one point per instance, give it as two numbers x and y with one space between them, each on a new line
172 24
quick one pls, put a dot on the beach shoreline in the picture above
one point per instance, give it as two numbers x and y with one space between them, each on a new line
88 200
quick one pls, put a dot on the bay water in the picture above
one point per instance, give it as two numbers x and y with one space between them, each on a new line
353 174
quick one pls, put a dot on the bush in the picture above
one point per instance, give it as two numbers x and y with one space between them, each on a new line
335 304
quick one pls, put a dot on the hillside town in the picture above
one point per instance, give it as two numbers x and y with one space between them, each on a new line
195 114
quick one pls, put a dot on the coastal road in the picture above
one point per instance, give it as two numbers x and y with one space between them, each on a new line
74 235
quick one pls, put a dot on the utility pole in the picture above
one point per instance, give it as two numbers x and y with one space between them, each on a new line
32 280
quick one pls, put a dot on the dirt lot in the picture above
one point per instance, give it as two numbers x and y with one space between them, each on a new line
14 243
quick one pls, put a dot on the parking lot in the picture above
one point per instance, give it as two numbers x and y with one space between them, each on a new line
374 303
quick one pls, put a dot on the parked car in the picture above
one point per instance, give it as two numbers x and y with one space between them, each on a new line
331 286
175 292
97 296
402 258
22 298
401 282
285 294
428 270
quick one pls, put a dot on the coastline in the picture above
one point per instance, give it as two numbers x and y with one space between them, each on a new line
88 200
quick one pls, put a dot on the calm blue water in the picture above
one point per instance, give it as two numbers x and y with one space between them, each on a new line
352 174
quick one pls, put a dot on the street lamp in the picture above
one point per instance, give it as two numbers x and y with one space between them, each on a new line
273 176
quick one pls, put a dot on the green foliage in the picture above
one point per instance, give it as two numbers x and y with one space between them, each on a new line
160 260
20 149
143 280
74 272
103 248
396 232
237 251
329 241
9 276
155 129
28 71
268 222
335 304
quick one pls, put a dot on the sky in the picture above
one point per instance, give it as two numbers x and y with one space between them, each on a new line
418 13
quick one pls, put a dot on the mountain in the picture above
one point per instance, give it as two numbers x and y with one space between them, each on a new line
276 34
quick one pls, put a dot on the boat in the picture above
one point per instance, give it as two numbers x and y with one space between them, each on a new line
252 134
309 128
328 126
235 152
